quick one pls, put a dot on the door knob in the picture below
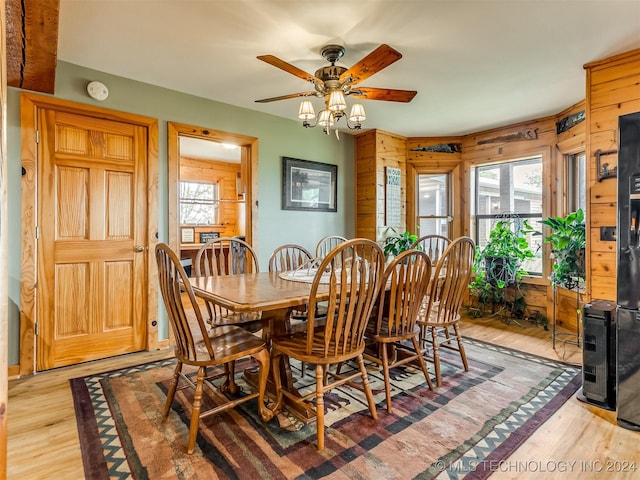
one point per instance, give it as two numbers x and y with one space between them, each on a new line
138 248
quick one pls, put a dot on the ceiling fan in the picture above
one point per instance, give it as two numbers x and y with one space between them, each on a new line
334 83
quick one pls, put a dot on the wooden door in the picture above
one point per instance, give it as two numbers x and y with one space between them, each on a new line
92 207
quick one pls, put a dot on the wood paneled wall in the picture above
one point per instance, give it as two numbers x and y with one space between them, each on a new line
613 89
512 142
376 150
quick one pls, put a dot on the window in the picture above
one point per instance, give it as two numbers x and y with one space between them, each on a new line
513 190
576 182
432 204
199 203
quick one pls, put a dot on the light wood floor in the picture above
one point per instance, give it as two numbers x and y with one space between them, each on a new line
579 441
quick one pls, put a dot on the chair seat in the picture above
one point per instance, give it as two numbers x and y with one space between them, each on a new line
294 345
386 336
229 342
433 319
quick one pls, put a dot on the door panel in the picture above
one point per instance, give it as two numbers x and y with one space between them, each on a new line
92 218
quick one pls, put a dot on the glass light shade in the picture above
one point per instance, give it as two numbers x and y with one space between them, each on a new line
337 102
357 113
306 111
325 118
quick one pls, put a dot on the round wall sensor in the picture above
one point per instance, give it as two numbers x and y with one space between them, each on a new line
97 90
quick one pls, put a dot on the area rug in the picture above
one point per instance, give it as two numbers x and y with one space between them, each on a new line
463 429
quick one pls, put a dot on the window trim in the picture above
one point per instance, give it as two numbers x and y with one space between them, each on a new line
455 168
215 202
545 156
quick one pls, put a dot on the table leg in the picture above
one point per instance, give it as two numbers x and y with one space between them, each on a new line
276 322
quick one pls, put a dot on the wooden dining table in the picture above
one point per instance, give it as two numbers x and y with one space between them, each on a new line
275 297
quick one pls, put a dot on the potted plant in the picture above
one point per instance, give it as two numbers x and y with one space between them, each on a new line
568 240
502 256
396 244
498 265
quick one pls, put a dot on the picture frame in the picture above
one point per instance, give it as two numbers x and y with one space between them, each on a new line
187 235
309 186
208 236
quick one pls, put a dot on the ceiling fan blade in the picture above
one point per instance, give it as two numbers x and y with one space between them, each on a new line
284 97
380 58
287 67
387 94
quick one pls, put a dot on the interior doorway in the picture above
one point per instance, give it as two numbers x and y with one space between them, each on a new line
211 187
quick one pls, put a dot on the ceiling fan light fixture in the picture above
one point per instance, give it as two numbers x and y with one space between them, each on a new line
306 111
325 119
337 102
357 113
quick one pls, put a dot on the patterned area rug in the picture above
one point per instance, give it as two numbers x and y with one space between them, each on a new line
461 430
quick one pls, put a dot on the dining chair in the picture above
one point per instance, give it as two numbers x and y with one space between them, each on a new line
432 245
406 280
439 324
326 244
227 256
352 274
203 347
288 257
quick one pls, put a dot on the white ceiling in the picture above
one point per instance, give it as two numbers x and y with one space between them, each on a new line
476 64
208 150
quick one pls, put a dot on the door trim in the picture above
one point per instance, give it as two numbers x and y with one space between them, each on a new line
249 146
30 105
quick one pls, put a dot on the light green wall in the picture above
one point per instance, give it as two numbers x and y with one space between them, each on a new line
278 137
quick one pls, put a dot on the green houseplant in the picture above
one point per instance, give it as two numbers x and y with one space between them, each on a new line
396 244
568 239
502 256
498 265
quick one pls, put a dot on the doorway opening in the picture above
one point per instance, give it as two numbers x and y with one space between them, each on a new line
210 187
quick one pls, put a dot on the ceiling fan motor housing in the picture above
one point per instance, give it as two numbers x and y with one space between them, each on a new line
331 72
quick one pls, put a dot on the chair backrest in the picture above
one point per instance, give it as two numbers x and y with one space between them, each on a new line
432 245
288 257
225 256
405 284
174 284
326 244
451 281
353 273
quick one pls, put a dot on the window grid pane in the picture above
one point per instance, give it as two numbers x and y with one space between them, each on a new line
510 188
432 204
198 203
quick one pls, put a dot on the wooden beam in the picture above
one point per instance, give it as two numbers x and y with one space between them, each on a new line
32 44
4 254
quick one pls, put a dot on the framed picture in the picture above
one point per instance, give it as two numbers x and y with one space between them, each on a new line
208 236
307 185
187 235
